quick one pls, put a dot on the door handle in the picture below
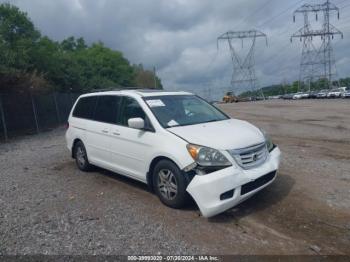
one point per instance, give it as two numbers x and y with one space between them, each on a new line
116 133
105 131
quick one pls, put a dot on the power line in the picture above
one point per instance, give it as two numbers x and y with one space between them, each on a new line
343 2
345 6
281 13
211 62
259 9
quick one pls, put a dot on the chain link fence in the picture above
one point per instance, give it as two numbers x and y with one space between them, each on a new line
24 113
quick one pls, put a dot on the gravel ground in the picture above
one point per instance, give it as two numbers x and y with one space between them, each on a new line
47 206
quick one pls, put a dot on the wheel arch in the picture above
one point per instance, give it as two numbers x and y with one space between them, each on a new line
75 141
149 175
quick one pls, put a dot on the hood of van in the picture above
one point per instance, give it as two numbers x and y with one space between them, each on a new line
223 135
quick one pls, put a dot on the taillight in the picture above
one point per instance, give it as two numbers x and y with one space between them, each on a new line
66 125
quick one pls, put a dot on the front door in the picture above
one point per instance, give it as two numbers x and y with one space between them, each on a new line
131 148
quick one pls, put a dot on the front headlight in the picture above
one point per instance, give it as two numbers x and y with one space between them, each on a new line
206 157
268 141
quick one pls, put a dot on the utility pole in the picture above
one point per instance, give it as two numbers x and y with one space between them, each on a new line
284 85
317 62
209 94
243 76
154 77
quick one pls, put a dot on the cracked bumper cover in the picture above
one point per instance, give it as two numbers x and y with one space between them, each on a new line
206 189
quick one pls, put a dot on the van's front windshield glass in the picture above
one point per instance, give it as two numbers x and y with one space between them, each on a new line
183 110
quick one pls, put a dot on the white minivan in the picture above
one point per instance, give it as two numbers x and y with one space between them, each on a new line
175 142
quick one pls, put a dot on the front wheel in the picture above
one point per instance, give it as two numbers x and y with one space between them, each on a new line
170 184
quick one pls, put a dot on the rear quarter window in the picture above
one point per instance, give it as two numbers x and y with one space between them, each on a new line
85 107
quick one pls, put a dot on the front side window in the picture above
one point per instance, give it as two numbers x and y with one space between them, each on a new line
131 109
182 110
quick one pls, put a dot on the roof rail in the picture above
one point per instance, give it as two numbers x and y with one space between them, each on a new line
141 89
104 89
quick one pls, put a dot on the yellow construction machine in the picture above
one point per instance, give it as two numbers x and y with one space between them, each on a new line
230 98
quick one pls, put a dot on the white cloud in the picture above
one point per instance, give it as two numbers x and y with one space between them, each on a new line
179 36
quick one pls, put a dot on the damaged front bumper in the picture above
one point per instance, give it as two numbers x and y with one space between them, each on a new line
218 191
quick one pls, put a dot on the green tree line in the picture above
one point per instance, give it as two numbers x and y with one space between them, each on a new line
29 59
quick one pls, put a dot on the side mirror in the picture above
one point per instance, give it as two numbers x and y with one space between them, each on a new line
137 123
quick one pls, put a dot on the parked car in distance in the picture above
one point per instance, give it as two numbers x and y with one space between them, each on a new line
335 93
305 95
300 95
322 94
288 96
176 143
275 97
346 94
313 94
256 98
297 96
244 99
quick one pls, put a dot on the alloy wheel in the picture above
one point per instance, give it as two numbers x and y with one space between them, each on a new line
167 184
80 155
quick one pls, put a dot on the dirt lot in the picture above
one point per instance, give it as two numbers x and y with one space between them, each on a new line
48 206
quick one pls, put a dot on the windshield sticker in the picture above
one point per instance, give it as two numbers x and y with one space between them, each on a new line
155 103
172 123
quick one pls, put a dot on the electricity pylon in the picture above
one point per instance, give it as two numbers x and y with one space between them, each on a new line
243 77
317 62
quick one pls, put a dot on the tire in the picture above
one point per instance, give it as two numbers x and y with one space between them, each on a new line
168 178
81 158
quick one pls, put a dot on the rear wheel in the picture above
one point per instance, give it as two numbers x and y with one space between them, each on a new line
170 184
81 158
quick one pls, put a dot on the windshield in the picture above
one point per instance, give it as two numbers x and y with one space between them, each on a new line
182 110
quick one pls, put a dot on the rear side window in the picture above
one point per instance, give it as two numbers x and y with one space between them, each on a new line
107 109
85 107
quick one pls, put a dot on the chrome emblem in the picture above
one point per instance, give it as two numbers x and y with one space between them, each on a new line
255 157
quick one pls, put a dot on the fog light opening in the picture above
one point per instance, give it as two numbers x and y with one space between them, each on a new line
227 194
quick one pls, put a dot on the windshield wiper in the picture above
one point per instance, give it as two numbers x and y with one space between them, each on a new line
213 120
172 126
190 124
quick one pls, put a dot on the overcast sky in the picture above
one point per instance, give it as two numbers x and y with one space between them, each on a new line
178 37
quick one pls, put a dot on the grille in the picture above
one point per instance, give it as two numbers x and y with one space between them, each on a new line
251 156
246 188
